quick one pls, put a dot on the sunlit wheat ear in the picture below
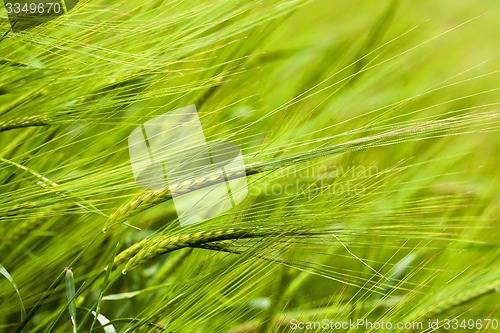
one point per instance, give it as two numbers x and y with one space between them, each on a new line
28 121
416 132
147 249
217 240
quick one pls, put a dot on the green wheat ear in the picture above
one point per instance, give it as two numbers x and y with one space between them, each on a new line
52 186
317 94
415 132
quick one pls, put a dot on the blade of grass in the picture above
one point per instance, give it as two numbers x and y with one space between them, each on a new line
9 278
70 294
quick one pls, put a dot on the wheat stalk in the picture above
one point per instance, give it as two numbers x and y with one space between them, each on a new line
151 199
